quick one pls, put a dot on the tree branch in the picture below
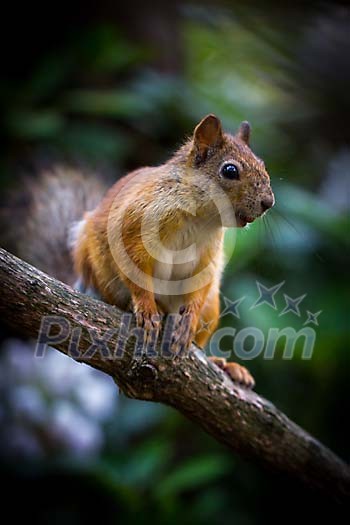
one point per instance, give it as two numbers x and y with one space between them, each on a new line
241 419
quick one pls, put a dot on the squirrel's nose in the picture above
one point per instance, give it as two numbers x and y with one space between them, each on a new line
267 202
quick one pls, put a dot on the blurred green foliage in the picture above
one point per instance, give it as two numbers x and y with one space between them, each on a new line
99 99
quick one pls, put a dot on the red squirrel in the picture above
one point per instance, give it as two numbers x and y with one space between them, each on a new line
154 244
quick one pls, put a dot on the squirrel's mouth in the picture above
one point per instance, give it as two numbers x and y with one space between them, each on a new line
242 219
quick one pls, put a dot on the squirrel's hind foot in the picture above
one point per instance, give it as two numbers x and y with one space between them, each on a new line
238 373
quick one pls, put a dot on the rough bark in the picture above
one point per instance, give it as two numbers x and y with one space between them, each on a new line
241 419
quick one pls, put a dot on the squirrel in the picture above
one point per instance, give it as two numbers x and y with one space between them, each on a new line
135 247
154 243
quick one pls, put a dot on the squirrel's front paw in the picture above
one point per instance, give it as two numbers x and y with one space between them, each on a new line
183 333
238 373
150 323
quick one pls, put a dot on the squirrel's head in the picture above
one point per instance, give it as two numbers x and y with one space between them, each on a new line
230 163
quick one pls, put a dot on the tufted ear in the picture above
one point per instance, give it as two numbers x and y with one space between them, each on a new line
243 132
207 134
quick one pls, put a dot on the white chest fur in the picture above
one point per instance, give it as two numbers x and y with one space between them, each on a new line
179 260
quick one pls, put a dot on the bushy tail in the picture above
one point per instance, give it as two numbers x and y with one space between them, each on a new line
37 226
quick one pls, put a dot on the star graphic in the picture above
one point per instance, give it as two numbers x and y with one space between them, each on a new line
267 295
292 305
312 318
231 307
204 326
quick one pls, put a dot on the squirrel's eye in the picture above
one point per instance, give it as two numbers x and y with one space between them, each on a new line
230 171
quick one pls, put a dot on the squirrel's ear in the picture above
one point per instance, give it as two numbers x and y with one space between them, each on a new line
207 134
243 132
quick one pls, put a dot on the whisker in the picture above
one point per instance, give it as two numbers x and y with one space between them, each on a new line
276 224
298 231
274 242
268 229
270 232
288 221
112 281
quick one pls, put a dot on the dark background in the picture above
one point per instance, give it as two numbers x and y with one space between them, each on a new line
113 87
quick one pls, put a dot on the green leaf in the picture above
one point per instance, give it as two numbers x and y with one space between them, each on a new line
103 49
34 124
194 473
145 463
110 103
93 142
